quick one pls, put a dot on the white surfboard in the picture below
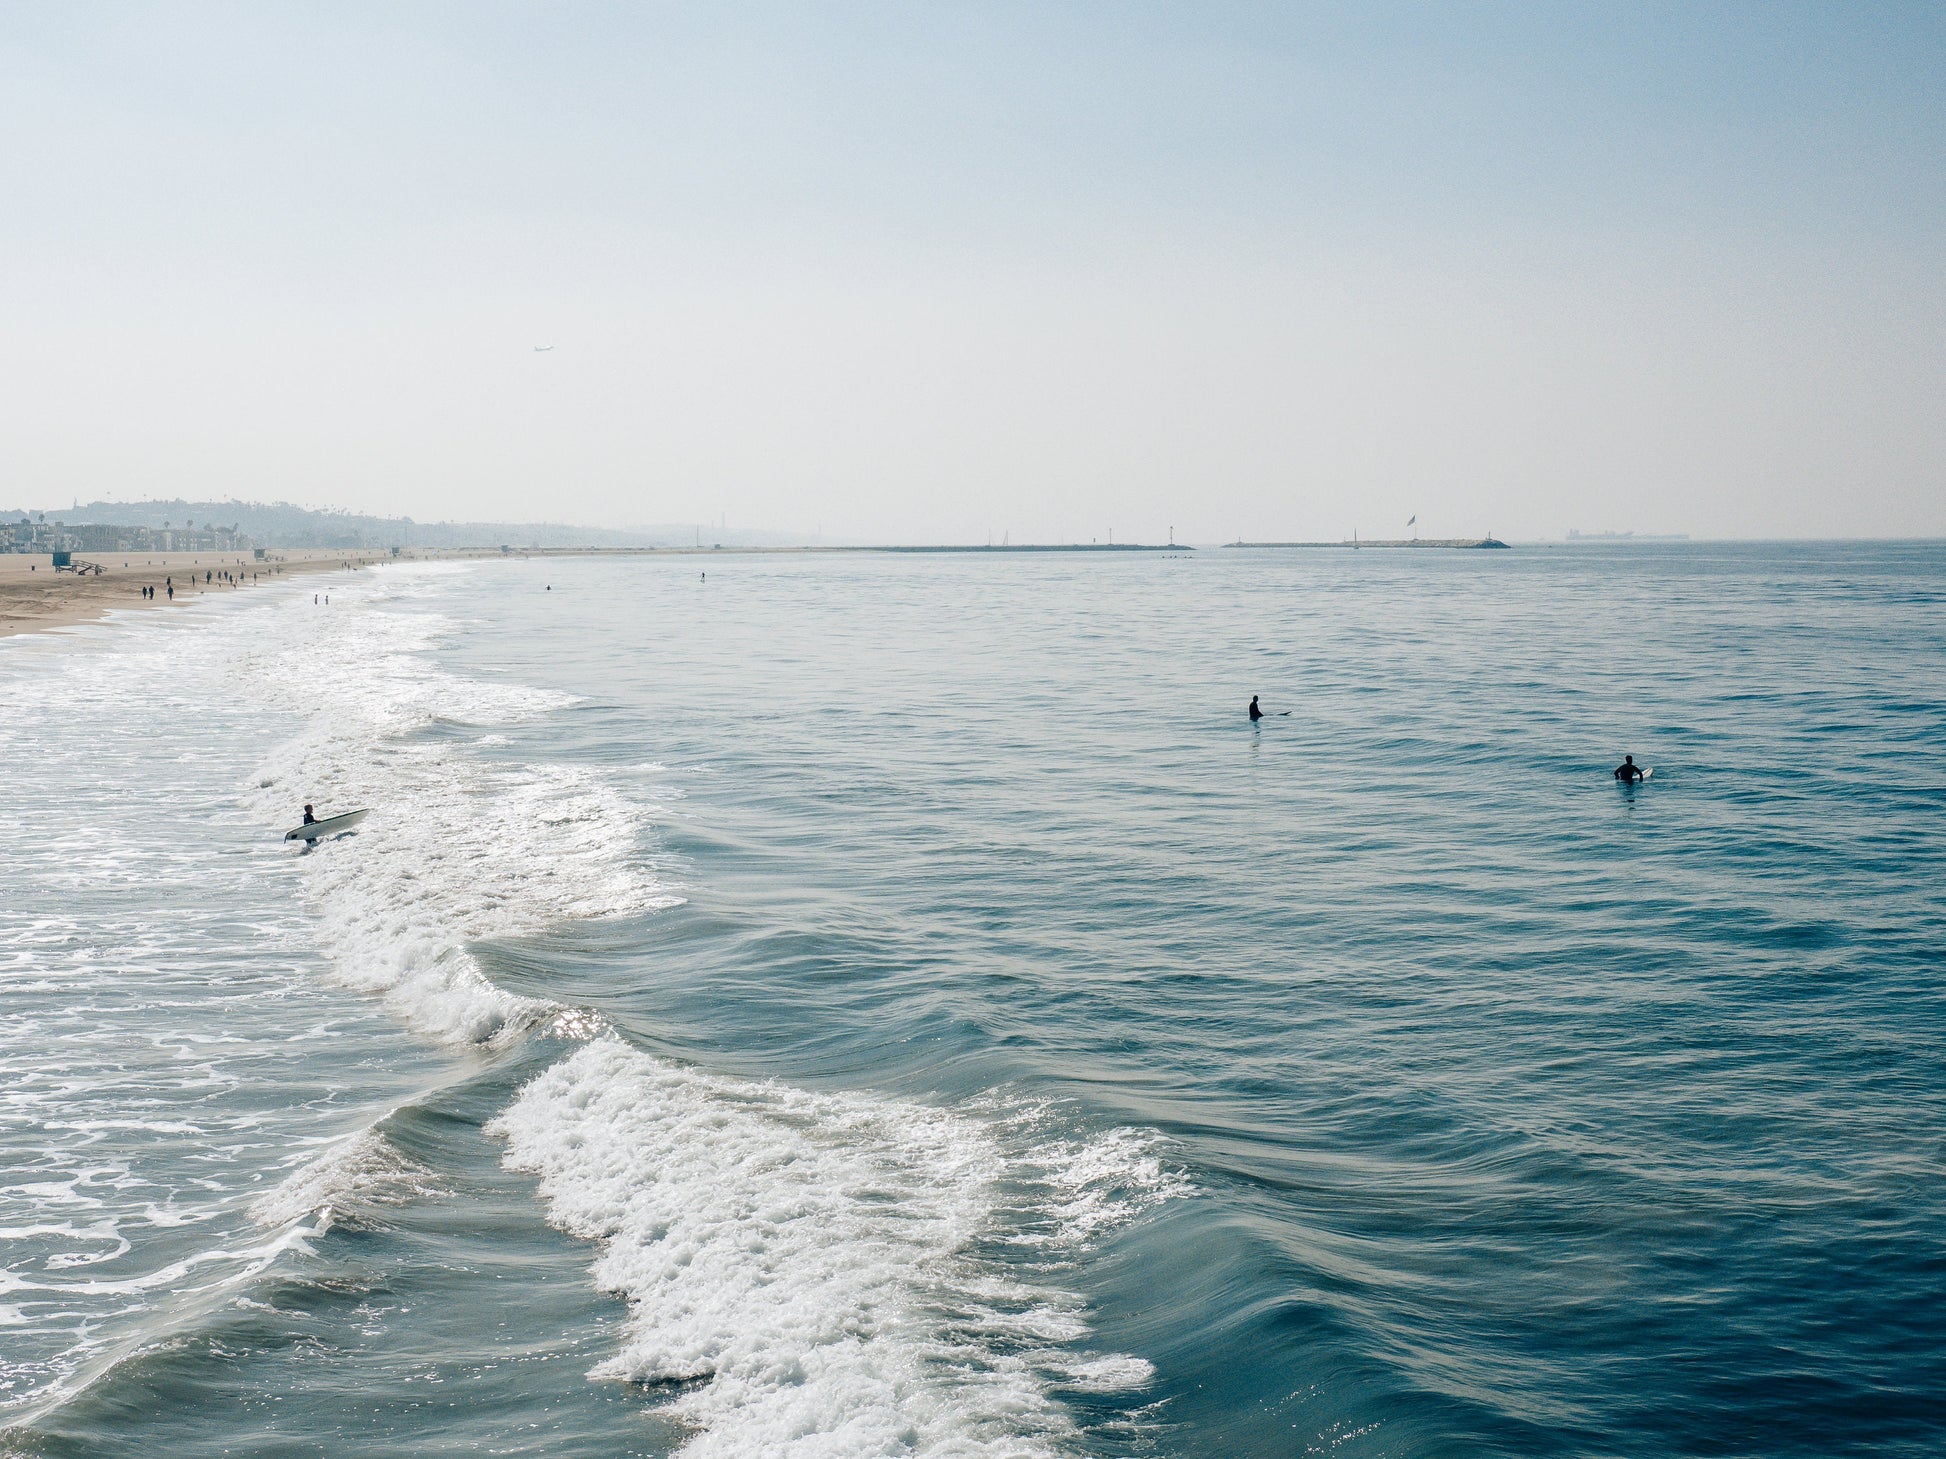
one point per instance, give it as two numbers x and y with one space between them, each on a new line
329 826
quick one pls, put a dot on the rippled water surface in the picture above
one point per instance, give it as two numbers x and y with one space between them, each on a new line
886 1005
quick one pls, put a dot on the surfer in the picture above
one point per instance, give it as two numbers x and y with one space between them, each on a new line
310 816
1628 771
1255 713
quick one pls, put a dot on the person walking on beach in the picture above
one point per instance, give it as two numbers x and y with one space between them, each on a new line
1255 713
1628 771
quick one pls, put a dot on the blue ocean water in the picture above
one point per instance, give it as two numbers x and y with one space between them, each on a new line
865 1004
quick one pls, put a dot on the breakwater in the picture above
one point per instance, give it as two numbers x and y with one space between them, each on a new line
1356 542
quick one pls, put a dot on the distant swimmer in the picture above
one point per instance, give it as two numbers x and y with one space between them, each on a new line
1628 771
1255 713
310 816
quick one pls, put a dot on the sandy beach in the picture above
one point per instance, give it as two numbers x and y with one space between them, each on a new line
35 598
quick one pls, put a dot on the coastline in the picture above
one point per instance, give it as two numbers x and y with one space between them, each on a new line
36 599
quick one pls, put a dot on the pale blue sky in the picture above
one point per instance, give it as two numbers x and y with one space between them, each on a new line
921 272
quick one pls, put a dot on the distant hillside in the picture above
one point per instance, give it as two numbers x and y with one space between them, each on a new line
280 524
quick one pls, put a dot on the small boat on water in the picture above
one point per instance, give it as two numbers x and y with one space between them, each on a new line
329 826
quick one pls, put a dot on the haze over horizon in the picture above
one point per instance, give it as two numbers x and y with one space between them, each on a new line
888 274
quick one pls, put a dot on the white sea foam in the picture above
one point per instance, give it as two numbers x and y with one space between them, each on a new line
1094 1185
190 1287
810 1274
164 1042
457 848
96 1242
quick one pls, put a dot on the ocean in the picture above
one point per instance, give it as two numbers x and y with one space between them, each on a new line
871 1005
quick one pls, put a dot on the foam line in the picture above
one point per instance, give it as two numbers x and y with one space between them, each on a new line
457 848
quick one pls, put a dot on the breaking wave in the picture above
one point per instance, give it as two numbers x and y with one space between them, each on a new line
826 1273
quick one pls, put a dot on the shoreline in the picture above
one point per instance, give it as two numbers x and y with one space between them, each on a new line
34 598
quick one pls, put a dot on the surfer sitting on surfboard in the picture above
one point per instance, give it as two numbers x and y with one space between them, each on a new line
1628 770
1257 713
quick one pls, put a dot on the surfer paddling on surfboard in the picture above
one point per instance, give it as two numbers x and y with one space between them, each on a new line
1628 772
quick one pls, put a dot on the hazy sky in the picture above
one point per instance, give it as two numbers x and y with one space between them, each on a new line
923 272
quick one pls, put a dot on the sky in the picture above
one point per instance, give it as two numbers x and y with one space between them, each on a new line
915 273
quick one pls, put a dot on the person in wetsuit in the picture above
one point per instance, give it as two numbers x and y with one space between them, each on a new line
310 817
1628 771
1255 713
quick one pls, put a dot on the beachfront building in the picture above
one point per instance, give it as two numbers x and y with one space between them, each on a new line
20 532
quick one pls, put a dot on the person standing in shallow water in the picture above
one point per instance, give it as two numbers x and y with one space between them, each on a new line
1255 713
